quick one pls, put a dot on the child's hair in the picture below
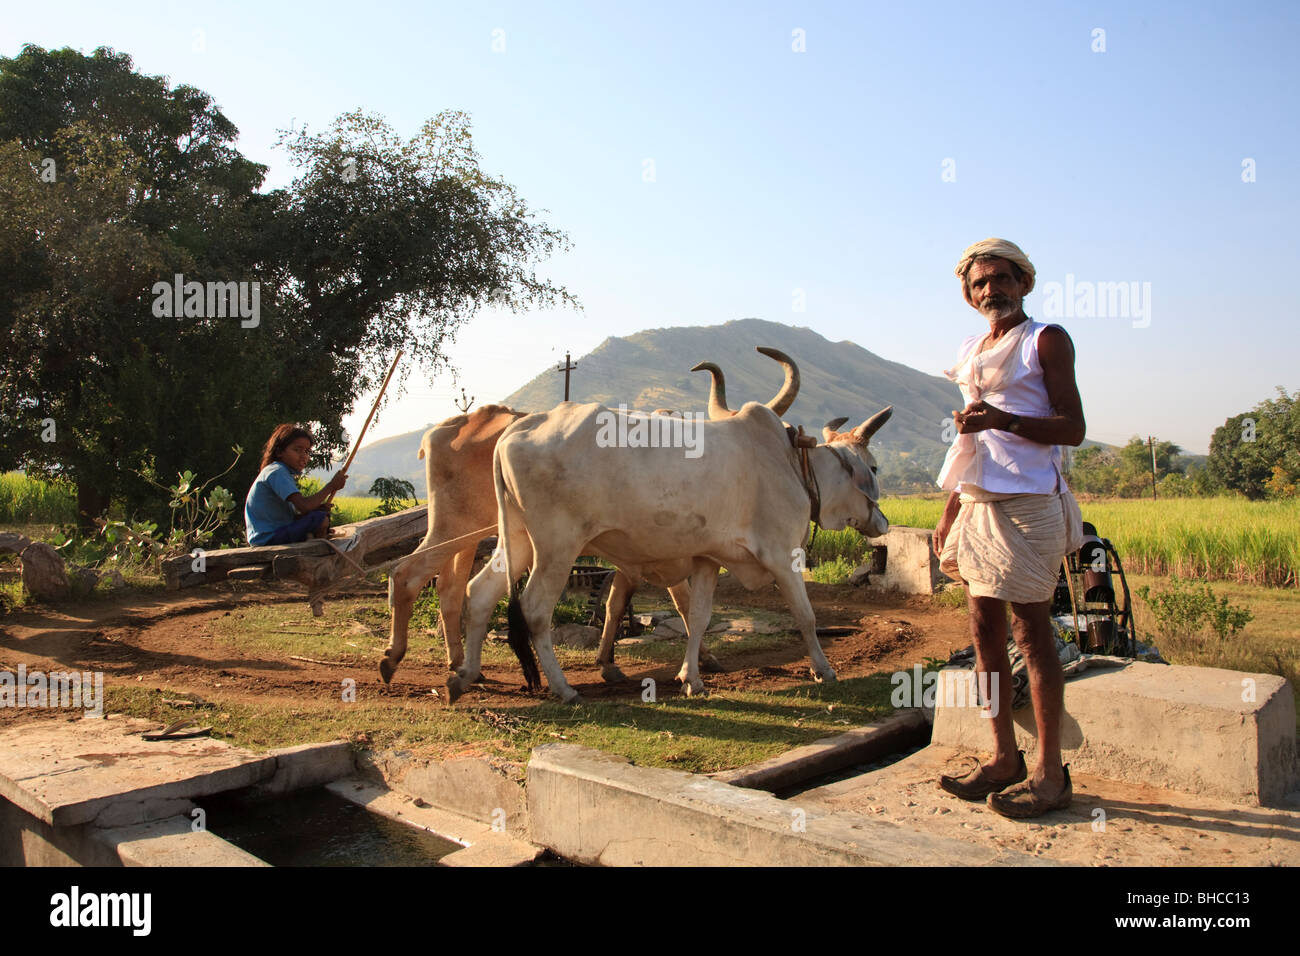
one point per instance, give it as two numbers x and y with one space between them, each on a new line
280 440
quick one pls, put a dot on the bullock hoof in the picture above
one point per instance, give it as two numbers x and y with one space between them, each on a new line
454 688
611 674
387 669
828 677
710 665
573 698
693 689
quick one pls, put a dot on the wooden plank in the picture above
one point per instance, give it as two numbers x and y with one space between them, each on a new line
372 541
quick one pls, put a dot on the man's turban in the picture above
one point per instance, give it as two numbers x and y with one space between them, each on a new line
1003 249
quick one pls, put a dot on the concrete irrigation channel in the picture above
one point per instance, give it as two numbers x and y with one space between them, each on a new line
1171 767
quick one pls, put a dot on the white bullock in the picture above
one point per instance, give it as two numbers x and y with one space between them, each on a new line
667 517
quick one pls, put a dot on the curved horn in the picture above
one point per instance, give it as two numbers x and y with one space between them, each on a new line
717 392
784 398
863 432
832 428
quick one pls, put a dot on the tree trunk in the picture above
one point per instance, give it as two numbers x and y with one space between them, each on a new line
91 504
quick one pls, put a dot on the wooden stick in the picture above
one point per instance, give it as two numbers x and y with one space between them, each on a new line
373 408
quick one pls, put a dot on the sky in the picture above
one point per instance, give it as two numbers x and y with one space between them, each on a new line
821 165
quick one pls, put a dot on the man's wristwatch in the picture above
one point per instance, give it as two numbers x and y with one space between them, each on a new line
1011 425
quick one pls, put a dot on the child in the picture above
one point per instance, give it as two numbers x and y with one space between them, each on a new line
275 511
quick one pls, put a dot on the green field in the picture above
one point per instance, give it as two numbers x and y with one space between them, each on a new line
1220 539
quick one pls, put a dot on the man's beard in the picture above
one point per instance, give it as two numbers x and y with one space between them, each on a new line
1000 307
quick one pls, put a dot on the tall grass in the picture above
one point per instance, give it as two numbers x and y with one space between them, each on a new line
1226 538
1230 539
1221 539
26 500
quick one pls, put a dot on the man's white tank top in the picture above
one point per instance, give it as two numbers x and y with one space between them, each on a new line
1007 376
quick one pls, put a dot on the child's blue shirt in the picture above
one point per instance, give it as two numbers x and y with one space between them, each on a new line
267 506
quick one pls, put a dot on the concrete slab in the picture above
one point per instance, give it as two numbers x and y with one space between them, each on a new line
597 808
1108 824
307 765
495 849
1223 734
70 772
171 842
483 845
474 787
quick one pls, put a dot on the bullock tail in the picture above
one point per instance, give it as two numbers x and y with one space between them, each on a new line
521 640
520 636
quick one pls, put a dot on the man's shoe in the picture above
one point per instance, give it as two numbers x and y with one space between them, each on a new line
1022 803
976 784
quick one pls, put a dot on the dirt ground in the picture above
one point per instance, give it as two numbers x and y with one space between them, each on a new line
161 639
1109 823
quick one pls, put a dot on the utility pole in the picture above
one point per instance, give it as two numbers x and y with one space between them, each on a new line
465 402
566 368
1152 445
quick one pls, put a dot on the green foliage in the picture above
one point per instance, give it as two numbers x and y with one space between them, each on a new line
1125 473
1257 453
27 500
571 611
834 571
952 596
377 244
1188 608
847 544
195 518
393 493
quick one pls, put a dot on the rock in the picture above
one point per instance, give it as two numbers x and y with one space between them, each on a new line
115 579
669 628
84 579
14 542
860 575
43 574
576 635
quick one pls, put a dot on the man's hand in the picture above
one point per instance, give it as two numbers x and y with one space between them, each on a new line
337 482
980 416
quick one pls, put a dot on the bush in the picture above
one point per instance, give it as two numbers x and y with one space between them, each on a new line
834 571
1189 609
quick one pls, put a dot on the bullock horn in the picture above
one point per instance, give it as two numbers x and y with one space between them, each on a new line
832 428
717 392
863 432
784 398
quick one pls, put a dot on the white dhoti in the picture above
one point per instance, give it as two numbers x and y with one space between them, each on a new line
1010 547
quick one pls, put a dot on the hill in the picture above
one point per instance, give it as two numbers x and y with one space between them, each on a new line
651 369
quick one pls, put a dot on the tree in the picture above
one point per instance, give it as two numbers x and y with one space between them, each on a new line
1125 473
1257 453
393 494
112 182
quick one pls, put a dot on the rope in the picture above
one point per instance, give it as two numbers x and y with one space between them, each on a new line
362 571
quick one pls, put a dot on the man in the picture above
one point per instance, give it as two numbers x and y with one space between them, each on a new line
1010 518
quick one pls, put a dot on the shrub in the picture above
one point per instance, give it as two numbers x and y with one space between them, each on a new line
1188 609
834 571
